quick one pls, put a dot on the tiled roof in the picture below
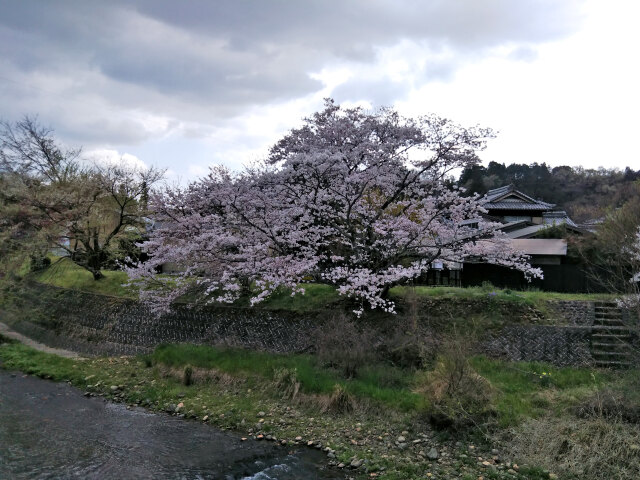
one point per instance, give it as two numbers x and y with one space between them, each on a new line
538 206
557 217
497 192
496 199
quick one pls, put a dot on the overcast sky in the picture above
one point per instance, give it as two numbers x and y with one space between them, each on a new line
186 84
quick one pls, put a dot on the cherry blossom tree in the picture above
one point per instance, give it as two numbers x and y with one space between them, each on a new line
353 199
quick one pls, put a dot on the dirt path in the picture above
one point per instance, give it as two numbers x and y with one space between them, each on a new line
7 332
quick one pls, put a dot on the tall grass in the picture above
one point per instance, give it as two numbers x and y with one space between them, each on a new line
381 383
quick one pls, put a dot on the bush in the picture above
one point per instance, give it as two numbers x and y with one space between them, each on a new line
286 382
38 263
609 405
340 401
342 345
187 375
457 396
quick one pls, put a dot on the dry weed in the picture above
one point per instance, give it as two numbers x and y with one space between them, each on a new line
592 449
194 375
285 380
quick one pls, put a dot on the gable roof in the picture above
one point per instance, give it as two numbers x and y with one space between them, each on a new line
508 198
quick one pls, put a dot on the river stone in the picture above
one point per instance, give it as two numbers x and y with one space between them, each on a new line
432 454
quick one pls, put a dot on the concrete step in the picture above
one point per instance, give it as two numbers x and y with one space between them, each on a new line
613 328
615 349
611 354
612 364
610 336
606 306
602 344
609 321
611 314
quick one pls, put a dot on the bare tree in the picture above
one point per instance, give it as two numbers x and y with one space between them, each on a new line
54 200
612 255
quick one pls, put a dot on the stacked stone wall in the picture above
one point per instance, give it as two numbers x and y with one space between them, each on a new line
101 325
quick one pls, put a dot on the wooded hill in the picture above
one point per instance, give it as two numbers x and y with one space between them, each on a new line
585 194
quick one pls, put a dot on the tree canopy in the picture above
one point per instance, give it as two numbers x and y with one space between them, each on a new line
354 199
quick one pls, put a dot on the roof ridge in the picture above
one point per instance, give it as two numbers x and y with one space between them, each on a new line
497 194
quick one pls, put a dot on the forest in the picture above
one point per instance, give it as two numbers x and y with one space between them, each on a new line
586 194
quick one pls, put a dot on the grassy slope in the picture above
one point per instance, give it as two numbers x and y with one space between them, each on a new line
66 274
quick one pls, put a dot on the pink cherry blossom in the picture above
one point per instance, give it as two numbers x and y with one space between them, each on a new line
358 200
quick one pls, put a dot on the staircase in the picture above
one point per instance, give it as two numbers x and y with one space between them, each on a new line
610 337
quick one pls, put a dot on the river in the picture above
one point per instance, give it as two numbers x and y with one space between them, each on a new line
51 431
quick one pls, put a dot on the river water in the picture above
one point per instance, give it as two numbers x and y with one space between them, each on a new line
51 431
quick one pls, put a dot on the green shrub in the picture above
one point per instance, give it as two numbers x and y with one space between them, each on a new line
38 263
457 396
187 375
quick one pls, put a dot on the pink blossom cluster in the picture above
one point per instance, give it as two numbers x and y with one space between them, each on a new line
354 199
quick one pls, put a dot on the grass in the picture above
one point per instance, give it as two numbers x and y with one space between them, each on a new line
525 389
532 389
316 297
20 357
66 274
488 291
381 383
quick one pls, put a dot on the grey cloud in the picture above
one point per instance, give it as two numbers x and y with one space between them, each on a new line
215 59
350 28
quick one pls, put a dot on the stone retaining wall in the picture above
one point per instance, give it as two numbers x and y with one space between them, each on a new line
100 325
572 313
562 346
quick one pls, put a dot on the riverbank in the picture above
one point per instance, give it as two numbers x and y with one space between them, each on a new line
273 399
